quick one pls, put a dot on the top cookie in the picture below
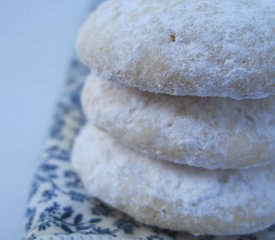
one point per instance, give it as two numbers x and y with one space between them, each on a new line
201 48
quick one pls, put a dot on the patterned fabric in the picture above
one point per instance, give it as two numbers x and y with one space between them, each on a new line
59 207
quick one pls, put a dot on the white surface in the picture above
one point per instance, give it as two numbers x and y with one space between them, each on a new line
36 44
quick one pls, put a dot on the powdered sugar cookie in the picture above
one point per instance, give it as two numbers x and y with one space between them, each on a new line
205 132
182 198
194 47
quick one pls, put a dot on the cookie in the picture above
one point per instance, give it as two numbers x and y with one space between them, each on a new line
199 48
204 132
172 196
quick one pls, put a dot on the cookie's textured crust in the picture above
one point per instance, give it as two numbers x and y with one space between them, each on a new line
168 195
192 47
205 132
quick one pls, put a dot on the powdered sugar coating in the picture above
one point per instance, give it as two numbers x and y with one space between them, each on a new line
218 202
205 132
193 47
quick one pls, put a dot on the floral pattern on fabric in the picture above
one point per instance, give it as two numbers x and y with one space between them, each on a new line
59 207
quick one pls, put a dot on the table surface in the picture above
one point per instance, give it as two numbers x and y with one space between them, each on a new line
36 45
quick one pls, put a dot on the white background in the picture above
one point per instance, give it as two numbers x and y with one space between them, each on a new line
36 44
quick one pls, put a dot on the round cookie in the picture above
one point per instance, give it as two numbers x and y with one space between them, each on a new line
167 195
193 47
204 132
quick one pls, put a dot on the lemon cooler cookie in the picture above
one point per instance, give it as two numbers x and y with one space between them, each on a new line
205 132
192 47
173 196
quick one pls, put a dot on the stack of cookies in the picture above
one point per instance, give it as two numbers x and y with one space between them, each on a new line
181 117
